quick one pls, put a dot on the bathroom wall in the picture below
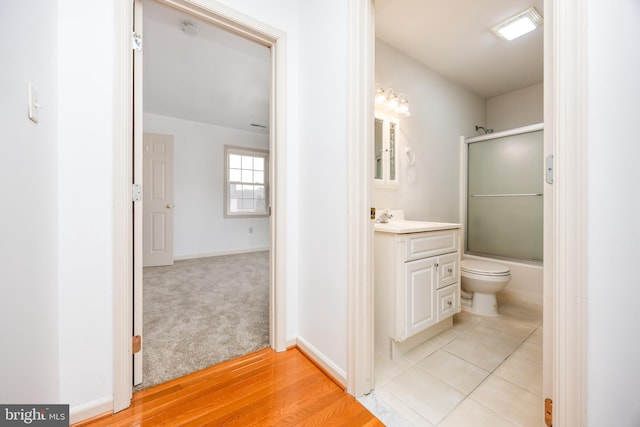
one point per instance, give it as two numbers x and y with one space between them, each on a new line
515 109
200 228
441 111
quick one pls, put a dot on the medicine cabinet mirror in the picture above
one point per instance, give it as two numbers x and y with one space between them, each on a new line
386 132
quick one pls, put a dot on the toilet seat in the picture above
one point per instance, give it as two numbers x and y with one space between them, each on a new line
484 268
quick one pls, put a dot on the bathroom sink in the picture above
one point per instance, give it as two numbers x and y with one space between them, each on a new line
406 226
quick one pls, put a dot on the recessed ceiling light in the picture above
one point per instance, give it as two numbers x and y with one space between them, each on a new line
518 25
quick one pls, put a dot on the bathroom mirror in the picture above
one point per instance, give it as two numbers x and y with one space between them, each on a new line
385 143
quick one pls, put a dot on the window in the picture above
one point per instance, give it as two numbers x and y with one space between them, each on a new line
246 182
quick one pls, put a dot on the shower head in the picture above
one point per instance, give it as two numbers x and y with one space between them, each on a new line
486 131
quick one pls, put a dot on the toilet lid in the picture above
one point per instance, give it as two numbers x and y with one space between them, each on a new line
484 267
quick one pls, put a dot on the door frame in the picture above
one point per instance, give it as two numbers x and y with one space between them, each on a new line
566 130
123 251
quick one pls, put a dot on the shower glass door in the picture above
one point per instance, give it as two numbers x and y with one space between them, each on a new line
504 197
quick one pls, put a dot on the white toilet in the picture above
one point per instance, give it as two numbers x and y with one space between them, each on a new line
480 282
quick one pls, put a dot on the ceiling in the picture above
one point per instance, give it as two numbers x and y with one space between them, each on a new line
205 74
211 76
454 38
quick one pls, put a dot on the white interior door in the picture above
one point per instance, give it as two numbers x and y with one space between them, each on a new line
157 196
137 206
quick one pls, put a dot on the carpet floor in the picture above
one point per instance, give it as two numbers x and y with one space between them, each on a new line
200 312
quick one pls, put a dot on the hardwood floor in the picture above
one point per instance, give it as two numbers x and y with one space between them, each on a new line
262 388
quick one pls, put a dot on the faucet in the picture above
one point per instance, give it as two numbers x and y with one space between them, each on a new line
384 217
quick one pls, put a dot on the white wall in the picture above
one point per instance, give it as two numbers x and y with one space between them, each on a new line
613 249
441 111
322 176
515 109
85 140
200 228
28 176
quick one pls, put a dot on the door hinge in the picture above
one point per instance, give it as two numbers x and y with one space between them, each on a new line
136 344
136 41
136 192
549 169
373 213
548 412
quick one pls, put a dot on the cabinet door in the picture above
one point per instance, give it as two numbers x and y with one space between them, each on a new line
448 267
419 299
448 301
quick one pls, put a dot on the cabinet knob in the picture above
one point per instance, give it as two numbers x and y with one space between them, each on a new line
450 303
436 265
450 270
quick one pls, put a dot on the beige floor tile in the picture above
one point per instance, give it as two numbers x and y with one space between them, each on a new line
459 374
483 350
429 397
524 368
402 408
427 385
462 322
444 338
472 414
510 401
420 352
386 369
536 336
526 313
509 328
530 353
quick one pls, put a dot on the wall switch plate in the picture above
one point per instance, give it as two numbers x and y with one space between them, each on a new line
34 106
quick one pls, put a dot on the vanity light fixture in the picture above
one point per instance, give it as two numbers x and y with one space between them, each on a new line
379 97
518 25
388 99
403 105
392 100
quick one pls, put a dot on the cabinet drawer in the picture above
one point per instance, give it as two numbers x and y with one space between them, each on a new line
422 245
448 301
447 269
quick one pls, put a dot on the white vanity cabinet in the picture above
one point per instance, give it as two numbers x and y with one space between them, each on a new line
417 285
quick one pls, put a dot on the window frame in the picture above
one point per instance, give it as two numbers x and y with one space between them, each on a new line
245 151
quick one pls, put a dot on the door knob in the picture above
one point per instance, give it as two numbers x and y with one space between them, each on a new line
170 206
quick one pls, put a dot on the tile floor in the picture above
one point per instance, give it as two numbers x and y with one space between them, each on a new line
484 371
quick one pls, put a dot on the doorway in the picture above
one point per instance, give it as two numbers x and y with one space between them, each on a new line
236 23
431 164
203 88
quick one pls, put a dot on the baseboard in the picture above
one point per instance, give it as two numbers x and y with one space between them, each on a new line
291 342
327 366
221 253
90 410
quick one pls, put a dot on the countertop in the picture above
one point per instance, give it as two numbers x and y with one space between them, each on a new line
406 226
